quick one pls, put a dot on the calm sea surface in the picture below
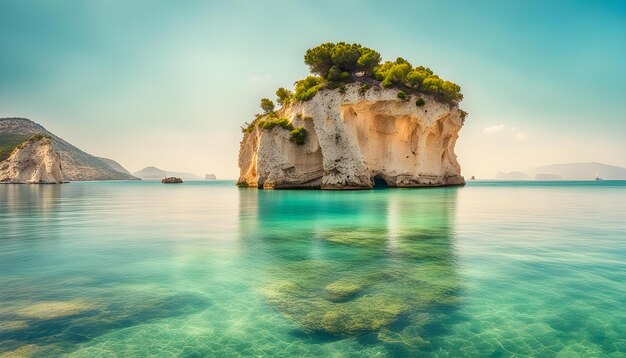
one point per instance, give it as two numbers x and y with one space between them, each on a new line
205 269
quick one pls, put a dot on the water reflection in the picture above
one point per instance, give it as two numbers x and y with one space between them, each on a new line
37 203
378 265
17 197
75 262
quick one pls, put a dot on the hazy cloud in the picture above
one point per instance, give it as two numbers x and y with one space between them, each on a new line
500 128
494 129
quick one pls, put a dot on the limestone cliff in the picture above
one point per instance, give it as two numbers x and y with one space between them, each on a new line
77 165
356 138
33 161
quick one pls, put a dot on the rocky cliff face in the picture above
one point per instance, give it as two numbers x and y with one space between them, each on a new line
77 165
355 140
33 161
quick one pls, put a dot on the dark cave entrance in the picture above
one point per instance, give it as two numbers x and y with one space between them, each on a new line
380 182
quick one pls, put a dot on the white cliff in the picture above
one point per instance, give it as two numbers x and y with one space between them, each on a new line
33 161
77 165
355 139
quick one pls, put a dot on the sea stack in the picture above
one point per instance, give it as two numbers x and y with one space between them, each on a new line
353 140
357 125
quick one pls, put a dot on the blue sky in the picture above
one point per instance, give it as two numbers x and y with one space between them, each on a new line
168 83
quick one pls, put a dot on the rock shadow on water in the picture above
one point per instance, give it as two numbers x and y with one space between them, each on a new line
391 282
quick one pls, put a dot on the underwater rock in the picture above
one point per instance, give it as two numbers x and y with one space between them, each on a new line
54 309
410 340
321 313
314 313
13 325
367 313
372 238
342 290
367 301
27 350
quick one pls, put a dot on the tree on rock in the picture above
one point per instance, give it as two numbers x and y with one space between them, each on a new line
337 61
267 105
284 96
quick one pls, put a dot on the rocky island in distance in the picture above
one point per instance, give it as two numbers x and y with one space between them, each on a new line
358 124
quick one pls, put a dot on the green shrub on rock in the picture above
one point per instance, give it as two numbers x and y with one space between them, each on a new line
269 123
298 135
363 88
308 87
463 114
335 65
417 76
393 73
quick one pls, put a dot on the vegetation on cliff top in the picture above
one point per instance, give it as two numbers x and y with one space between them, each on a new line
8 143
333 65
268 119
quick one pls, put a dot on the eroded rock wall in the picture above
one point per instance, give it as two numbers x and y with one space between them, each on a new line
354 138
77 165
34 161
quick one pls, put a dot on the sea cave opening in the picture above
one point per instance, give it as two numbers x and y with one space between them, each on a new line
380 182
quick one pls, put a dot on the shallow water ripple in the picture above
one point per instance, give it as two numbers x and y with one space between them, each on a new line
205 269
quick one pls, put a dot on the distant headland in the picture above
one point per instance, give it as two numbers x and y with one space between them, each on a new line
31 154
568 171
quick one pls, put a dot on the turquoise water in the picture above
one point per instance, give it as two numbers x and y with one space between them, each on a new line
205 269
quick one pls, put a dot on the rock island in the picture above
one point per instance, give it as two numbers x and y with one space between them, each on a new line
355 124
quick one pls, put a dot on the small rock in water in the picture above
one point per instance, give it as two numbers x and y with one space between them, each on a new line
171 180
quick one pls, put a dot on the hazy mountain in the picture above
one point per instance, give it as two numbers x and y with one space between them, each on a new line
114 165
543 176
77 165
573 171
511 175
210 177
581 171
154 173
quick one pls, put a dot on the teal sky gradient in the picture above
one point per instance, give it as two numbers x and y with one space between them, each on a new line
168 83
